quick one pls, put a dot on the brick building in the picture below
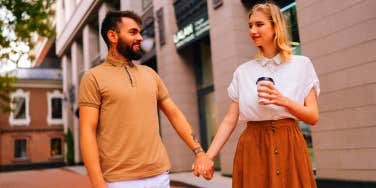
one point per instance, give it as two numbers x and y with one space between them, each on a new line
33 134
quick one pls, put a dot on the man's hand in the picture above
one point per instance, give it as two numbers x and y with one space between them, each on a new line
203 166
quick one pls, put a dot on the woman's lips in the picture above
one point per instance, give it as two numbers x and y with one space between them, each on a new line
255 37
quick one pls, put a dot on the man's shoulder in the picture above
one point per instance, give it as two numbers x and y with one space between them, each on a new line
145 68
97 70
148 70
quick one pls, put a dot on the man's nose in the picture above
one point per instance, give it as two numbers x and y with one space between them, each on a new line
139 37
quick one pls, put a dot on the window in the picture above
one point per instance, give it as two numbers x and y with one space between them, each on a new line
289 12
55 149
146 3
55 108
20 149
20 106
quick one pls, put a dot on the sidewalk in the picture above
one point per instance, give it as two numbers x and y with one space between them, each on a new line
218 180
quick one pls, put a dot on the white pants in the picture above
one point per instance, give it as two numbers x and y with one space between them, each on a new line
158 181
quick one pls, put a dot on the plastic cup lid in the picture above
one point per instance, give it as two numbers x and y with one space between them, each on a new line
265 79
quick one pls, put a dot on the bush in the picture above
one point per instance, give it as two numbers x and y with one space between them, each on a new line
69 158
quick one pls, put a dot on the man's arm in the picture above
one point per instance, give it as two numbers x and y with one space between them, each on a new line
183 128
89 146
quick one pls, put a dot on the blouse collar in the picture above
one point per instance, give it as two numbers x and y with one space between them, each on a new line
263 61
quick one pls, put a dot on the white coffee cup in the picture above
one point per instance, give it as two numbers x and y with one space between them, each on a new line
258 83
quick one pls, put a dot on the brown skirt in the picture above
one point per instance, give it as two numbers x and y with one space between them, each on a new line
272 154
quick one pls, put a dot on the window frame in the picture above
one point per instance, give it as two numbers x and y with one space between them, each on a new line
146 6
20 122
61 147
26 149
50 119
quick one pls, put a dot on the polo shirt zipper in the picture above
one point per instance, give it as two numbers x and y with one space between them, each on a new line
133 83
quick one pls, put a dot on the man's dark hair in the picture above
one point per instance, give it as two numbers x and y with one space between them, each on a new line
110 22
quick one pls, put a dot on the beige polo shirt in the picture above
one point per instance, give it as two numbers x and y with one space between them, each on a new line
129 143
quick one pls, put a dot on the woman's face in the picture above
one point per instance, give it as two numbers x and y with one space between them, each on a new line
261 29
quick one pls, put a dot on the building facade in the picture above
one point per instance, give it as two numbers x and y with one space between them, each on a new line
197 45
32 136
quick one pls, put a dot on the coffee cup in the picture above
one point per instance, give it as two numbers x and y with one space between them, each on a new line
258 83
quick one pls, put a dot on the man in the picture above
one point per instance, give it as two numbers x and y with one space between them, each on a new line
119 136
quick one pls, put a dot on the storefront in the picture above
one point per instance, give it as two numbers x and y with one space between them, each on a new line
192 42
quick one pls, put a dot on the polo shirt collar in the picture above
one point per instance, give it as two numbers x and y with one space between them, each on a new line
117 62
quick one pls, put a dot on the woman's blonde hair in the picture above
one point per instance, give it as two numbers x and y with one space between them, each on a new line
280 38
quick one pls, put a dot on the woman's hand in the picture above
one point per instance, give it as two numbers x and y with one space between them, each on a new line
273 96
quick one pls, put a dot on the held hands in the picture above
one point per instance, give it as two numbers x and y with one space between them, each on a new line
203 166
273 96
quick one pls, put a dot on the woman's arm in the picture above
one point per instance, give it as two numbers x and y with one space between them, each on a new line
225 130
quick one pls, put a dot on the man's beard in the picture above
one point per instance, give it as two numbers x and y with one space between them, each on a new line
127 51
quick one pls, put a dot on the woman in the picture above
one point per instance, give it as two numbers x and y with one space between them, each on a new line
271 151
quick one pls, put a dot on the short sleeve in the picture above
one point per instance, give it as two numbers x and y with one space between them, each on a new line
89 94
162 92
233 89
312 80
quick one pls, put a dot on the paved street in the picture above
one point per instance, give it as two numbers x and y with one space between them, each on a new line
50 178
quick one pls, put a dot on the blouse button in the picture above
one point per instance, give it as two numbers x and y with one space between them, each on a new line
273 129
275 151
277 172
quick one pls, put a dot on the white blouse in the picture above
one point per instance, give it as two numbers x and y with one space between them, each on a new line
293 79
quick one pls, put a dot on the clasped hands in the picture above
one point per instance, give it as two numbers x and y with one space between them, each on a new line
203 166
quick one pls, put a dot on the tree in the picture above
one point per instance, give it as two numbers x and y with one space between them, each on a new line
20 22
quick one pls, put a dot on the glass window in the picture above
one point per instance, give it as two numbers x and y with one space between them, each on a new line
292 26
56 147
146 3
20 149
20 108
289 12
56 106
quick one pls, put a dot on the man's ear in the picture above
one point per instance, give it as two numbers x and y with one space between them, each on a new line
112 36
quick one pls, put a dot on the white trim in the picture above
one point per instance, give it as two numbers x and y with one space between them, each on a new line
34 85
50 96
74 24
20 122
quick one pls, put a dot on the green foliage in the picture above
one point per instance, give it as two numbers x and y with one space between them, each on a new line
25 18
20 21
70 147
6 88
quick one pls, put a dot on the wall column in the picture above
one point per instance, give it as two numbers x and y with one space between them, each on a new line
76 54
105 7
90 46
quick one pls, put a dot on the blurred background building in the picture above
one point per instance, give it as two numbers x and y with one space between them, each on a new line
32 136
197 45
